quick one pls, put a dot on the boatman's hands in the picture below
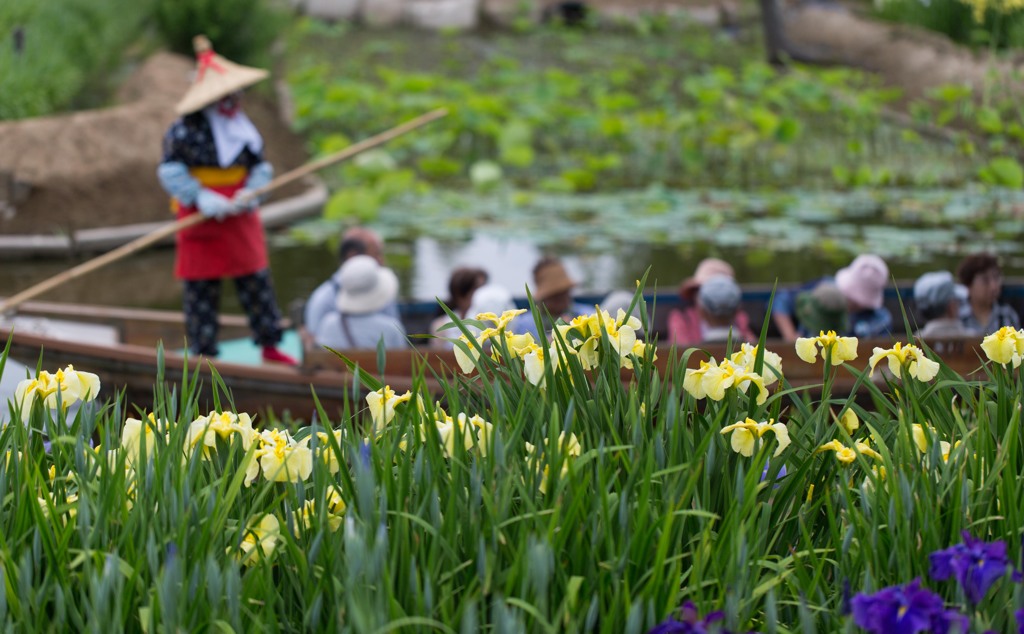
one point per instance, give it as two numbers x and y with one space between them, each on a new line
214 205
259 176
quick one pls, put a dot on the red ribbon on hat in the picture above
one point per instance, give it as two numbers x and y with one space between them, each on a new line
205 60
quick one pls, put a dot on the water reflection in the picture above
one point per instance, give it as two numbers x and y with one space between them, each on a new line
508 261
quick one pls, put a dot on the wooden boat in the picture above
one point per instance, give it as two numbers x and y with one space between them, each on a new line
121 346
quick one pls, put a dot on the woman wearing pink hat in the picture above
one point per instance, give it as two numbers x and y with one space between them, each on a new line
862 284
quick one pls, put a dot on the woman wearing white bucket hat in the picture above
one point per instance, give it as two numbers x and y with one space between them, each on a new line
367 289
212 158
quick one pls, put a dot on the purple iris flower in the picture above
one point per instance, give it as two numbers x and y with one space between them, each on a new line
905 610
1020 621
779 476
975 564
689 623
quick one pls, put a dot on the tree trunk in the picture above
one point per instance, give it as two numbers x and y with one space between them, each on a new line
774 35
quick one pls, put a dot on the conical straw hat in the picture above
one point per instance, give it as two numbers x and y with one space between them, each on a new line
216 78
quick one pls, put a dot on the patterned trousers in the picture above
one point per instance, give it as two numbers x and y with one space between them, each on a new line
202 303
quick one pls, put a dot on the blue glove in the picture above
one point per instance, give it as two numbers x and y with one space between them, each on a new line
178 182
214 205
259 176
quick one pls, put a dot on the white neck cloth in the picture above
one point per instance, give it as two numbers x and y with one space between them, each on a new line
232 134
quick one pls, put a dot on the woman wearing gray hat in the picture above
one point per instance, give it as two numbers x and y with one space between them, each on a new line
938 306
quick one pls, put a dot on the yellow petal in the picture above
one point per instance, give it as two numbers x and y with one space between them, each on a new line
807 349
782 436
743 442
849 421
844 350
919 436
924 369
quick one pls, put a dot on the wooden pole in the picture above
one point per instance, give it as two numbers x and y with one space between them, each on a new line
194 219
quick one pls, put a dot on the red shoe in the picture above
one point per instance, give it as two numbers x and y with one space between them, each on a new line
272 355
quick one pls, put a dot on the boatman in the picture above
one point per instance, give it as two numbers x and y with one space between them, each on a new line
212 160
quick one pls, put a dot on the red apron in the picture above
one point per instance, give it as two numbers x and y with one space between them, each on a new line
232 247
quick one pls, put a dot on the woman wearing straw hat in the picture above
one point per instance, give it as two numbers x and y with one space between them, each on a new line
212 160
553 294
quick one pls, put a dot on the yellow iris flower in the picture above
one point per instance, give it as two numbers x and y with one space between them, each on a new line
382 406
474 431
466 358
1005 345
842 348
336 508
326 451
284 460
717 379
849 421
907 356
502 320
846 455
922 438
570 449
746 435
260 539
712 380
224 425
693 380
771 362
619 331
136 433
71 384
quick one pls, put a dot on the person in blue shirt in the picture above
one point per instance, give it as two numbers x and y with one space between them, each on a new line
862 286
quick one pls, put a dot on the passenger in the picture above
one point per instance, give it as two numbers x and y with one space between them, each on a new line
983 314
361 321
462 284
620 300
490 298
863 284
685 327
821 310
355 241
935 296
718 301
552 293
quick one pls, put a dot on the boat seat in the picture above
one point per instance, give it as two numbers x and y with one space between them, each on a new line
62 329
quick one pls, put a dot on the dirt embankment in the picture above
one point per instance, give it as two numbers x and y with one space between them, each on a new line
912 59
98 168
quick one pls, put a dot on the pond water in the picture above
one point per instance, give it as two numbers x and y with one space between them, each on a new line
608 241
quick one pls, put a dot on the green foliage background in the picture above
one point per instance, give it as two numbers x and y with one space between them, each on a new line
69 46
955 19
241 30
73 49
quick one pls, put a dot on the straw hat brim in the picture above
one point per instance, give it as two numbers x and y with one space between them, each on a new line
221 78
